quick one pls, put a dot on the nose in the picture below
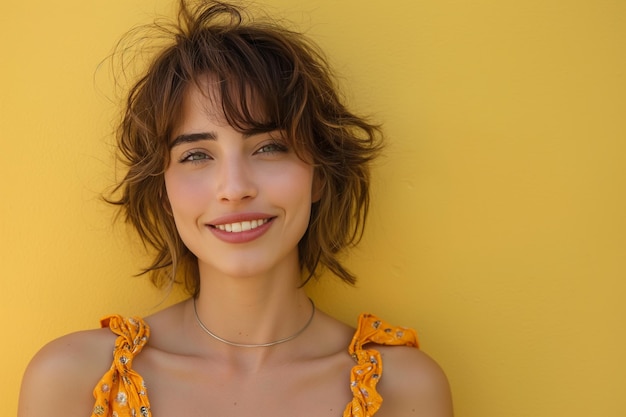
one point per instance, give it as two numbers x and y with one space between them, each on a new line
235 181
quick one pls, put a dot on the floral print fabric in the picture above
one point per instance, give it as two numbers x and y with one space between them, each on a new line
369 368
122 392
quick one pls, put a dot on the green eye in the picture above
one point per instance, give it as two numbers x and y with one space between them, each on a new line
272 148
194 157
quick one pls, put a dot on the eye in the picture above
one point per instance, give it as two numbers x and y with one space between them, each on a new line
194 157
272 147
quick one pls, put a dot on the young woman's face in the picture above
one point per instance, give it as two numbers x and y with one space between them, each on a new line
240 203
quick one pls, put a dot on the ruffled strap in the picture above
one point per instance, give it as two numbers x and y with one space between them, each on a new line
122 392
368 370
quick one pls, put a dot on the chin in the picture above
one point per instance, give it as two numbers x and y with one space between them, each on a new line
242 269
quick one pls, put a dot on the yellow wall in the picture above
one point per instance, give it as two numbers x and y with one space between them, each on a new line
498 226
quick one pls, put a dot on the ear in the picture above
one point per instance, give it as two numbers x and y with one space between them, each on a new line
165 201
317 187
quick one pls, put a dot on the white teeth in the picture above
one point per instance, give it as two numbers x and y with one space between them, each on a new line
241 226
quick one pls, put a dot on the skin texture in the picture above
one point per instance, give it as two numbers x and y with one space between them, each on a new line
250 294
217 175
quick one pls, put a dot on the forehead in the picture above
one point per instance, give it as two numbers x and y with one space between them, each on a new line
222 103
201 101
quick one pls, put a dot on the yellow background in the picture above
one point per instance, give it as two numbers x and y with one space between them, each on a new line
498 226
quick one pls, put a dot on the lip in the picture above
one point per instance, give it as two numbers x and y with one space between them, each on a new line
243 236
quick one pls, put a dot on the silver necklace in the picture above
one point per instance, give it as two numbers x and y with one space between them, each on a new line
254 345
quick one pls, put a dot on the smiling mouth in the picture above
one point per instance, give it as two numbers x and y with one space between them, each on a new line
239 227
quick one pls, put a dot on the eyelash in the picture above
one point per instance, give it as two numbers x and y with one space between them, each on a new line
191 157
275 147
196 157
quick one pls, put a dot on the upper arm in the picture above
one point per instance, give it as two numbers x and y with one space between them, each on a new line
413 384
60 378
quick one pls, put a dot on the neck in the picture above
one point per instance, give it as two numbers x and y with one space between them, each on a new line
253 345
251 310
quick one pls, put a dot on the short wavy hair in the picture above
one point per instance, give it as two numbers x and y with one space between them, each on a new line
258 63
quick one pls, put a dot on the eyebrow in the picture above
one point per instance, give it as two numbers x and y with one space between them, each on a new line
192 137
196 137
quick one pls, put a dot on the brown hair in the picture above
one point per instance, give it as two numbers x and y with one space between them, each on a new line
290 79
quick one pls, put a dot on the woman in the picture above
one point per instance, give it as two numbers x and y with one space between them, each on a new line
247 175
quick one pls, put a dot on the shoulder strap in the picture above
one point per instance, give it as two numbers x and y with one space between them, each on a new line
368 369
122 391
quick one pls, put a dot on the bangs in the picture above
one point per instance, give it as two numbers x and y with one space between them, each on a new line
247 75
235 101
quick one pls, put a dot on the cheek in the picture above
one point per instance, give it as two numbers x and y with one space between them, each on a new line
185 194
294 183
294 189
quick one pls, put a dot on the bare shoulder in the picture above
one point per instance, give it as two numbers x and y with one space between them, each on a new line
60 378
413 384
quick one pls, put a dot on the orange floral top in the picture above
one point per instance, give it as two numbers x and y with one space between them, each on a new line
122 392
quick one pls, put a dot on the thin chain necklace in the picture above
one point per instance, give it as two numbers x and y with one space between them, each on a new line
254 345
